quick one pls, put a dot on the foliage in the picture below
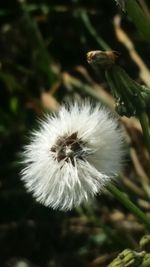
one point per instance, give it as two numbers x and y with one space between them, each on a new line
42 64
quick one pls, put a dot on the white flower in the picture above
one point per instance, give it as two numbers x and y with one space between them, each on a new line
73 155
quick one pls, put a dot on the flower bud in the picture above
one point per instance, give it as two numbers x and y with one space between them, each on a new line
130 96
127 258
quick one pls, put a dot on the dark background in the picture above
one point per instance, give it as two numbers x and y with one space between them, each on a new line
43 46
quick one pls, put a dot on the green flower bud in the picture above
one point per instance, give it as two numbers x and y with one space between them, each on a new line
127 258
131 97
145 243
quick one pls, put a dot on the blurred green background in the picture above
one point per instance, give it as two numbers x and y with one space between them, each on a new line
43 46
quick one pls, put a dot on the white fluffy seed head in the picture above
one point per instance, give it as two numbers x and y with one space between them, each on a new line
73 155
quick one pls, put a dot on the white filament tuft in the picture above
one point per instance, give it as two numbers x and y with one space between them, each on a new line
72 156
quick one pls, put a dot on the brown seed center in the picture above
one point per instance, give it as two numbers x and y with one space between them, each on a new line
68 147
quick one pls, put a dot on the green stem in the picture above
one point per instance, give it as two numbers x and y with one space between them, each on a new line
137 15
128 204
85 19
43 59
145 128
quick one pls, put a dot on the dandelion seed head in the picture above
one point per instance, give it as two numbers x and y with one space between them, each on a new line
68 148
72 156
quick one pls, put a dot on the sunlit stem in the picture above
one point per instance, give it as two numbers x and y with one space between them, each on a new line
123 198
145 127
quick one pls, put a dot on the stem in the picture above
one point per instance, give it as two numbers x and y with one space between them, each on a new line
128 204
85 19
139 18
43 59
144 125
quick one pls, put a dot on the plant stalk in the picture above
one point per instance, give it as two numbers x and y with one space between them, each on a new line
138 17
145 128
87 23
128 204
